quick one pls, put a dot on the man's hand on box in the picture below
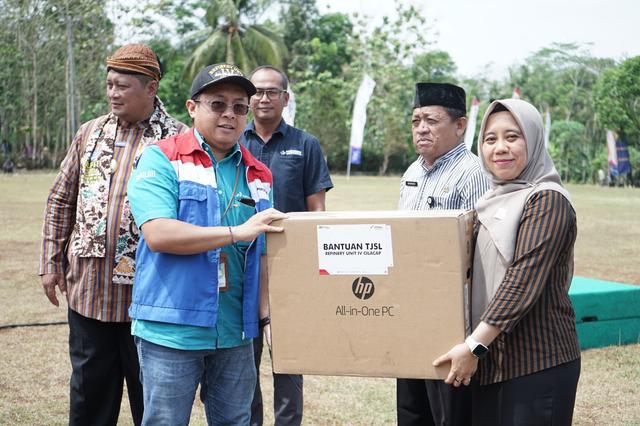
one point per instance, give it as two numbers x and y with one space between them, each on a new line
257 224
463 365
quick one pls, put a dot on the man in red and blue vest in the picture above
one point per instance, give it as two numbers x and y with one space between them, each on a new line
203 204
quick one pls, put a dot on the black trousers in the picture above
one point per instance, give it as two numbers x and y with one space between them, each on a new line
287 394
545 398
103 355
432 403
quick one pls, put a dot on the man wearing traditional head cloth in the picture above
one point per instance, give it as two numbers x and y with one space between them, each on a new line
445 176
90 238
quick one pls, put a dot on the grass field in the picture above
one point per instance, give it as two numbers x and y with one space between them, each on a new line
34 361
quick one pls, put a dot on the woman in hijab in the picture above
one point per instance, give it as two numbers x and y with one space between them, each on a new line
524 343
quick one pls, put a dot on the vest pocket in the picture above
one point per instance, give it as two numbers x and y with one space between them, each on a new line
192 204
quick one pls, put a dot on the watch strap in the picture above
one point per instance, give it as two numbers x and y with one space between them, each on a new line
477 349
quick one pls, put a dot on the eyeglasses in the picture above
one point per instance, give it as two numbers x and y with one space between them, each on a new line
220 107
271 93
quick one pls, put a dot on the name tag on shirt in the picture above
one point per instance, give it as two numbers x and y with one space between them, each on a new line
223 274
411 183
291 152
121 143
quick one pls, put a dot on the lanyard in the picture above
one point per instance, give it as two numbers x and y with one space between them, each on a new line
233 193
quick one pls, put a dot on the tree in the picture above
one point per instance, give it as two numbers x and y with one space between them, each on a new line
316 43
299 19
435 66
323 106
321 80
233 36
617 99
389 55
561 79
36 39
173 89
569 149
326 78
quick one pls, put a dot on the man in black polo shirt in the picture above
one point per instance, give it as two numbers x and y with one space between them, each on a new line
300 181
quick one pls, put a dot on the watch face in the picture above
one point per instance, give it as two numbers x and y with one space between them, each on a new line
480 350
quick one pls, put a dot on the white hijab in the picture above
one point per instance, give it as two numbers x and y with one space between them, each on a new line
500 209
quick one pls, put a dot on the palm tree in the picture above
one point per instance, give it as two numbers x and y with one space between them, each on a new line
232 36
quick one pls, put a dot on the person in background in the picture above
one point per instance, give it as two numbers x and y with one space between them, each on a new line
445 176
7 165
300 182
89 238
524 343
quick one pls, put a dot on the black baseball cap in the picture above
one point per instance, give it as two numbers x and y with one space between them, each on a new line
220 73
443 94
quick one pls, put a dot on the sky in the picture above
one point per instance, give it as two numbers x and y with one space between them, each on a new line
488 36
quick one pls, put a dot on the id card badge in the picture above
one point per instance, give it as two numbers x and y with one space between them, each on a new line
223 275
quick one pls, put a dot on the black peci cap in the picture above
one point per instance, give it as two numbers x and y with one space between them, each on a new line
218 74
443 94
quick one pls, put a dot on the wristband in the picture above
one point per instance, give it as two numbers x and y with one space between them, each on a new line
264 321
233 240
477 349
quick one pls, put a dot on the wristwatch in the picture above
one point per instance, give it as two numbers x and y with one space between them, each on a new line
477 349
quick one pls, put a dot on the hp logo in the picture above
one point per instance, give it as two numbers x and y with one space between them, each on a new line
362 288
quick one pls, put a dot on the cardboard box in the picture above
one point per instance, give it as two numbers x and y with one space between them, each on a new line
375 294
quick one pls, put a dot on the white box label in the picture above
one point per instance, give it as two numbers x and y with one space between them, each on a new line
354 249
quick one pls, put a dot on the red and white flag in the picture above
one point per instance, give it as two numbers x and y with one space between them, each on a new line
471 123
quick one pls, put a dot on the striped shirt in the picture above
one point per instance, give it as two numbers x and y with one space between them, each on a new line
532 305
454 181
90 289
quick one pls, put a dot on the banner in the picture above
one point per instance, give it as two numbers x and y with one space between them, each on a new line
360 118
612 154
547 128
289 112
471 123
622 154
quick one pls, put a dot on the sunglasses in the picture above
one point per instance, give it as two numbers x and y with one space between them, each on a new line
220 107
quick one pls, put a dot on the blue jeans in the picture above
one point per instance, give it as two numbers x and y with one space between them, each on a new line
170 378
